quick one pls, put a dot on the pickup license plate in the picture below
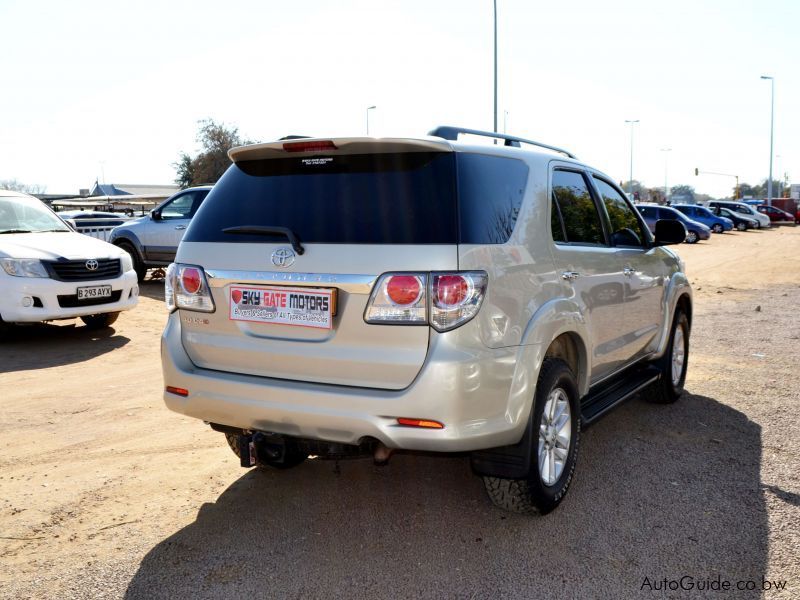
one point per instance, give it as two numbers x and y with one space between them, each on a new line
95 291
302 307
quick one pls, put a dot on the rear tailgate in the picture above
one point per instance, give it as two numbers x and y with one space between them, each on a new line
357 216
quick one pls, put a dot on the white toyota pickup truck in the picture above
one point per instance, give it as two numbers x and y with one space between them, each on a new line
49 272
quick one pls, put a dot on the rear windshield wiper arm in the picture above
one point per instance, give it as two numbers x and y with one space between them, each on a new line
268 230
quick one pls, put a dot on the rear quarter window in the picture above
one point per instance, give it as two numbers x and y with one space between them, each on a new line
490 193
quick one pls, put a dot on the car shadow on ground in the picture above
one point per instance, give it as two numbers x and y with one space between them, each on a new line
55 345
660 491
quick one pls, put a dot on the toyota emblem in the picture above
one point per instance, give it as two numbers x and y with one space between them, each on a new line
92 265
283 258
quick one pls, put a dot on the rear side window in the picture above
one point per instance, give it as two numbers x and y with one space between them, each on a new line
578 211
490 192
398 198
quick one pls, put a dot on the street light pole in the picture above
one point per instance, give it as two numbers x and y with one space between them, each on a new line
666 189
630 181
771 131
495 66
369 108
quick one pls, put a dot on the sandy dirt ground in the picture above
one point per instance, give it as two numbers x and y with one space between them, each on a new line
104 493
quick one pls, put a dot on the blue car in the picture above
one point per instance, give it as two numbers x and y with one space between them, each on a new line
653 212
705 216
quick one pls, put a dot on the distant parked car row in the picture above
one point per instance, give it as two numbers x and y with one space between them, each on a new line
718 216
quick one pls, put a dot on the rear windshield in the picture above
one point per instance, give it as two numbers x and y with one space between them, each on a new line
400 198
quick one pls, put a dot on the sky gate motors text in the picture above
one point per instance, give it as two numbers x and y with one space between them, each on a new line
284 300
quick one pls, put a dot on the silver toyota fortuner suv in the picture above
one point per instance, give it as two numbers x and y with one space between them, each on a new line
347 296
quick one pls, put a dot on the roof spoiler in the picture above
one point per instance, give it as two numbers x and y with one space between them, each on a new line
451 133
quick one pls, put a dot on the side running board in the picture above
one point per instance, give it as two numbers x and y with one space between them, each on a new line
607 395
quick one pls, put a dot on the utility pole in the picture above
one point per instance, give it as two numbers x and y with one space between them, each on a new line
630 181
771 132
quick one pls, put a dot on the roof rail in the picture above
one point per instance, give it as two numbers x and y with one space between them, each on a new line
451 133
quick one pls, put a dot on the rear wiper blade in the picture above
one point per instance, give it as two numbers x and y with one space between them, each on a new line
16 231
268 230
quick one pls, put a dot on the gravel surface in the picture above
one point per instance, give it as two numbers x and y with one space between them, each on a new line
106 494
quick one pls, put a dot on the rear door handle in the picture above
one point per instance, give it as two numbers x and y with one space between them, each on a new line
180 227
569 275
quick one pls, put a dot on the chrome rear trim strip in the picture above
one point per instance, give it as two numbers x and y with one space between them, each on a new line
359 284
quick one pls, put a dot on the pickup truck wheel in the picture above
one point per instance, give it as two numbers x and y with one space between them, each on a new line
293 456
556 415
673 364
138 265
100 321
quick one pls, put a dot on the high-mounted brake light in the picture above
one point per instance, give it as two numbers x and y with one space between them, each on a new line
315 146
424 423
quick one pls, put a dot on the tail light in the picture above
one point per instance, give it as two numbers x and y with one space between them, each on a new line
186 287
443 300
399 298
456 298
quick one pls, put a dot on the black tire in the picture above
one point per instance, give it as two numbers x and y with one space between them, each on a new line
293 456
665 391
717 228
692 237
100 321
532 495
138 263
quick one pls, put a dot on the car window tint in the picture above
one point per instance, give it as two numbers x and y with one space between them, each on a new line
625 227
180 208
556 226
390 198
581 220
490 192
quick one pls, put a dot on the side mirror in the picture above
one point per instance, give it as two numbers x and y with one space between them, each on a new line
155 214
669 231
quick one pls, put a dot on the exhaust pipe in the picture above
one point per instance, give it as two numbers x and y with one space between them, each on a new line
382 455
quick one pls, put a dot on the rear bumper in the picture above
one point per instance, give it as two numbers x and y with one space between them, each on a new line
482 396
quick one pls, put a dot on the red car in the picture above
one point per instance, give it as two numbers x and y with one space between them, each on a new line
776 215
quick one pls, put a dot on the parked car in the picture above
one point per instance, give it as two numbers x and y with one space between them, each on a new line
775 214
743 208
740 221
653 213
96 224
354 296
702 215
153 240
51 272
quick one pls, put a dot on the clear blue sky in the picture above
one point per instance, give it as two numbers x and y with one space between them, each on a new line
93 87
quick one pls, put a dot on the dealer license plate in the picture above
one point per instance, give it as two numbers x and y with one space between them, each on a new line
95 291
302 307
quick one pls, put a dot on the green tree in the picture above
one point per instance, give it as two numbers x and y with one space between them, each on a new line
208 166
